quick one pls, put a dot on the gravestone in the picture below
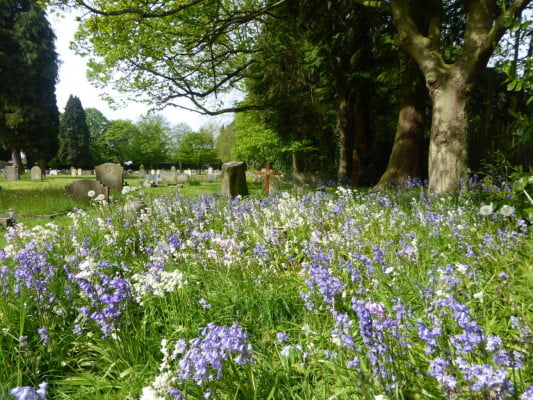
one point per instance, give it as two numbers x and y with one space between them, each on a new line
80 189
188 172
142 172
209 170
212 177
111 175
11 173
234 178
36 173
152 179
73 172
169 176
173 169
306 178
79 171
182 178
53 172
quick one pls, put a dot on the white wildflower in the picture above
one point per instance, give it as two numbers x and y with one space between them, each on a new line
506 210
91 193
486 209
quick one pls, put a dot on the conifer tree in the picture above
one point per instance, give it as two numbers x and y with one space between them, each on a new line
29 117
74 136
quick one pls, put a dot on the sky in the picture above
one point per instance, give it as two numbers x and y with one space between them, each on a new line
73 81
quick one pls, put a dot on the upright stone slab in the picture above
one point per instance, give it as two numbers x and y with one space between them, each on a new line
82 188
234 179
111 175
11 173
169 176
36 174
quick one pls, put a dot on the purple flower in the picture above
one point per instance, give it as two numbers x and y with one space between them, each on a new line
43 334
282 337
528 394
29 393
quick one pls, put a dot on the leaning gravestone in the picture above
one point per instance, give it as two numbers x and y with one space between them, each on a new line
111 175
36 173
80 189
234 178
11 173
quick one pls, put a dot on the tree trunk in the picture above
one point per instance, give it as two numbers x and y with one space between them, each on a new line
448 146
346 139
16 159
404 161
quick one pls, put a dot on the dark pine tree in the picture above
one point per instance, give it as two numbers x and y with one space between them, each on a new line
29 118
74 136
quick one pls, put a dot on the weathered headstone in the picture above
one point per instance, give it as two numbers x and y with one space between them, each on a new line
142 172
111 175
182 178
212 177
234 178
53 172
209 170
73 172
169 176
11 173
173 169
36 174
80 171
188 172
82 188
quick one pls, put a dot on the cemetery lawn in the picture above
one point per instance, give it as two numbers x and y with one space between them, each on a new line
338 294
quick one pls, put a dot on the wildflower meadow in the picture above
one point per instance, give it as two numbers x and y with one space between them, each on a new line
333 294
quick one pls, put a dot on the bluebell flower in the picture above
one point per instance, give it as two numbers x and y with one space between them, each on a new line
29 393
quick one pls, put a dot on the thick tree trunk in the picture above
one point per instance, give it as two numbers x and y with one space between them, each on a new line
404 161
346 139
448 149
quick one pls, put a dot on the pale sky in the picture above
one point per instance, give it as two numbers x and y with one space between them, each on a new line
72 80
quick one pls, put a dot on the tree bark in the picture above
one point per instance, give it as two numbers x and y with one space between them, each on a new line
404 161
16 159
448 148
345 128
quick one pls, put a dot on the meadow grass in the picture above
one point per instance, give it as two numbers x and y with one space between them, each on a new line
341 294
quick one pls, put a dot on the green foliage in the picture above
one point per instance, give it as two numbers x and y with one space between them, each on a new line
150 143
255 143
225 142
115 143
74 139
197 149
503 184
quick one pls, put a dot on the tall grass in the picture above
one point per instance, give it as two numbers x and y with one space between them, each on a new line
329 295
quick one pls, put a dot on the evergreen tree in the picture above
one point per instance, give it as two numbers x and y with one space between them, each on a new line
29 117
74 136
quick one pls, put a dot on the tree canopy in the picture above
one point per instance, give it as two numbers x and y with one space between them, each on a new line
314 68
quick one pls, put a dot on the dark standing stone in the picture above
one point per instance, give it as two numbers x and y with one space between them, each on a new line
234 179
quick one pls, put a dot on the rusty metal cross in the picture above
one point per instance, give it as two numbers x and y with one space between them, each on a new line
267 173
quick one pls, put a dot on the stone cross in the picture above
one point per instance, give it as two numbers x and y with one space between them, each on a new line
267 173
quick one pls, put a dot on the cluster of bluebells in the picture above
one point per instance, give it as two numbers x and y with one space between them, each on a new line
354 251
201 359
